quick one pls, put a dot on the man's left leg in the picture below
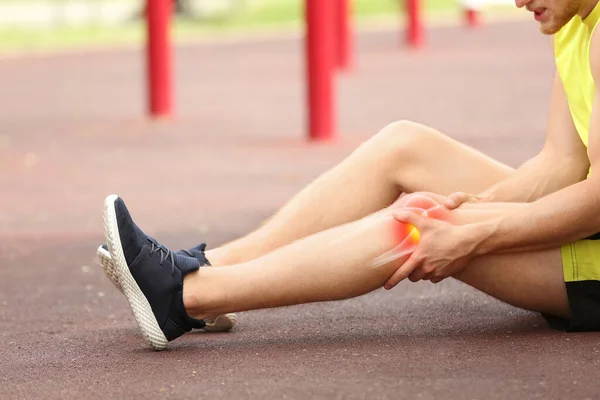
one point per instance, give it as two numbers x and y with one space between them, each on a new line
404 157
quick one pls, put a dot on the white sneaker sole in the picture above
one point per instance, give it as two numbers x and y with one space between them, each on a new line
222 323
108 266
142 312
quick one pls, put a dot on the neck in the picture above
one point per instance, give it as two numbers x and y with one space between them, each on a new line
586 8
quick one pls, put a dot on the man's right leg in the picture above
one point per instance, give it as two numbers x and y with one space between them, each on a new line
404 157
335 264
164 289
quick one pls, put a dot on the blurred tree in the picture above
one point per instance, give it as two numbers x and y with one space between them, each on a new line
180 8
204 9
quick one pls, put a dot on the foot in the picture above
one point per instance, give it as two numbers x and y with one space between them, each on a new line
150 275
222 323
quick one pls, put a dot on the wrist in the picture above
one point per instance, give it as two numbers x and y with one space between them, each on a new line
483 236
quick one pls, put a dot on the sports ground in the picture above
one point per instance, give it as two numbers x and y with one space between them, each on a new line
72 131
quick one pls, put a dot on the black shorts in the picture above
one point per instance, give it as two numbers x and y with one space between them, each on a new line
581 270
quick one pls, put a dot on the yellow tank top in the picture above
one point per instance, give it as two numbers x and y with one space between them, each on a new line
572 54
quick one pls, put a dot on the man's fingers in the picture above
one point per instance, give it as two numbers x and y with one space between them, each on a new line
455 200
416 275
402 273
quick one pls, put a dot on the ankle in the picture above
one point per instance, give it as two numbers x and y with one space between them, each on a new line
199 298
193 306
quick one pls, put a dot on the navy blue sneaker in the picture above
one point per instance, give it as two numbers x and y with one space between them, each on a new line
221 323
150 275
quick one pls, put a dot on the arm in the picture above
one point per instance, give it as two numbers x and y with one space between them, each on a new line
562 161
567 215
566 208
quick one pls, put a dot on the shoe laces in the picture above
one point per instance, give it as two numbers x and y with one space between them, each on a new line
164 254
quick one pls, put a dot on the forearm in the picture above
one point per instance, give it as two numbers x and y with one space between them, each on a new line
538 177
567 215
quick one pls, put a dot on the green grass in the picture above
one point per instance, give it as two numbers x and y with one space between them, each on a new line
258 14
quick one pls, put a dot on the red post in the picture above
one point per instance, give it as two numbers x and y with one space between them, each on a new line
343 34
319 60
472 17
414 21
158 14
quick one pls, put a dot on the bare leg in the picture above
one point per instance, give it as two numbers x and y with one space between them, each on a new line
333 265
403 157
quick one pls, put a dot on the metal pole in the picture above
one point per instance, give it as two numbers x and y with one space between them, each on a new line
319 63
159 61
343 25
472 17
414 31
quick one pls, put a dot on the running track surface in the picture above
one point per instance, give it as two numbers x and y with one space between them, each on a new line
71 133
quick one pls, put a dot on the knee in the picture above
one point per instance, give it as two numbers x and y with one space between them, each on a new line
403 138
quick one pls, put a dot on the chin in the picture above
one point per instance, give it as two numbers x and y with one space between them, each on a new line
547 31
550 28
556 22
